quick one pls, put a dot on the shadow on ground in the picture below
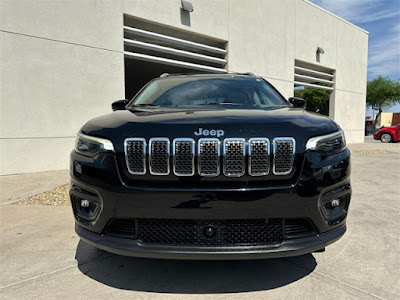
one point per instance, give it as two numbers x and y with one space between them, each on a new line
190 277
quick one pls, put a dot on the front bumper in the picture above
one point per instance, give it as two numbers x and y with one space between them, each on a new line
322 179
135 248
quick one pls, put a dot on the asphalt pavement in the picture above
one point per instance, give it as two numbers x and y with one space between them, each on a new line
42 258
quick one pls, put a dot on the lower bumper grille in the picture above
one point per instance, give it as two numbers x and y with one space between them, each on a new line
210 232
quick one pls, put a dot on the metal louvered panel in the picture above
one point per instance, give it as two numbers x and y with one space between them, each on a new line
183 156
209 157
259 152
283 150
234 157
159 156
135 155
309 75
167 49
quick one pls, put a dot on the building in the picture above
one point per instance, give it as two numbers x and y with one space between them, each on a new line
64 62
388 119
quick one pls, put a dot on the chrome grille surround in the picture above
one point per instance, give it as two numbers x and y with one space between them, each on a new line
283 151
135 155
183 152
234 153
159 152
208 156
259 156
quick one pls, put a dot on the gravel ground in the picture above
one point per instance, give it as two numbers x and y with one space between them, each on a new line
56 196
372 152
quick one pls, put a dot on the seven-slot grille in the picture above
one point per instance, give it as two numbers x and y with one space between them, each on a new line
284 149
209 156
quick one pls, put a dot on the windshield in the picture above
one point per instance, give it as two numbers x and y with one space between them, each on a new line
191 91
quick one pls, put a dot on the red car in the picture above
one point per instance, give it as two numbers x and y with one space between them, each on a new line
388 134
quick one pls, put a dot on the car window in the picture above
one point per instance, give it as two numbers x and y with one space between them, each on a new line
188 91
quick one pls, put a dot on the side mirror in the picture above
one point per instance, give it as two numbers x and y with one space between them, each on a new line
119 104
298 102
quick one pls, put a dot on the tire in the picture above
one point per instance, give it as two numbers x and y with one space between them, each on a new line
386 138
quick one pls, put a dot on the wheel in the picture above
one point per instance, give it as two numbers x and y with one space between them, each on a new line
386 138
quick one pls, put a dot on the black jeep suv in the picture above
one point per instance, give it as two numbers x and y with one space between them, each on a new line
210 167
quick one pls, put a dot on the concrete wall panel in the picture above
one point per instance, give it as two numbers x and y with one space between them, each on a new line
352 56
34 155
315 28
50 89
261 38
208 18
96 23
348 111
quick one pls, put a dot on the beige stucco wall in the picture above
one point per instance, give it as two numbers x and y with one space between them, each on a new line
385 119
62 63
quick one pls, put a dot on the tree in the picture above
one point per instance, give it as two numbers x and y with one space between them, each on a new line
317 99
382 92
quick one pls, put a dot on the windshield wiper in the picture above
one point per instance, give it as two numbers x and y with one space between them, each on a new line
222 103
145 104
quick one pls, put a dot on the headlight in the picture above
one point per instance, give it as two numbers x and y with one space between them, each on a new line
89 145
330 143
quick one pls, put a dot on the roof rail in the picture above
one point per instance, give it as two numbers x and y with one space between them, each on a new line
249 73
163 75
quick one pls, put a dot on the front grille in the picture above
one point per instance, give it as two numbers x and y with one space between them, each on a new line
284 149
209 157
234 157
159 156
259 156
183 155
135 155
228 232
209 161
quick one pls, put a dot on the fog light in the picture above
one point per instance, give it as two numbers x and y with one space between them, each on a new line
84 203
335 202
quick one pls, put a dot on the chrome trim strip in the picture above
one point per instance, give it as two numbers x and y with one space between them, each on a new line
224 156
218 154
174 158
144 154
292 160
268 156
168 152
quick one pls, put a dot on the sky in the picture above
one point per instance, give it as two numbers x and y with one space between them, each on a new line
381 18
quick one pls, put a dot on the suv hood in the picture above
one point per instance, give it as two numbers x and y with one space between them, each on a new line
239 123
